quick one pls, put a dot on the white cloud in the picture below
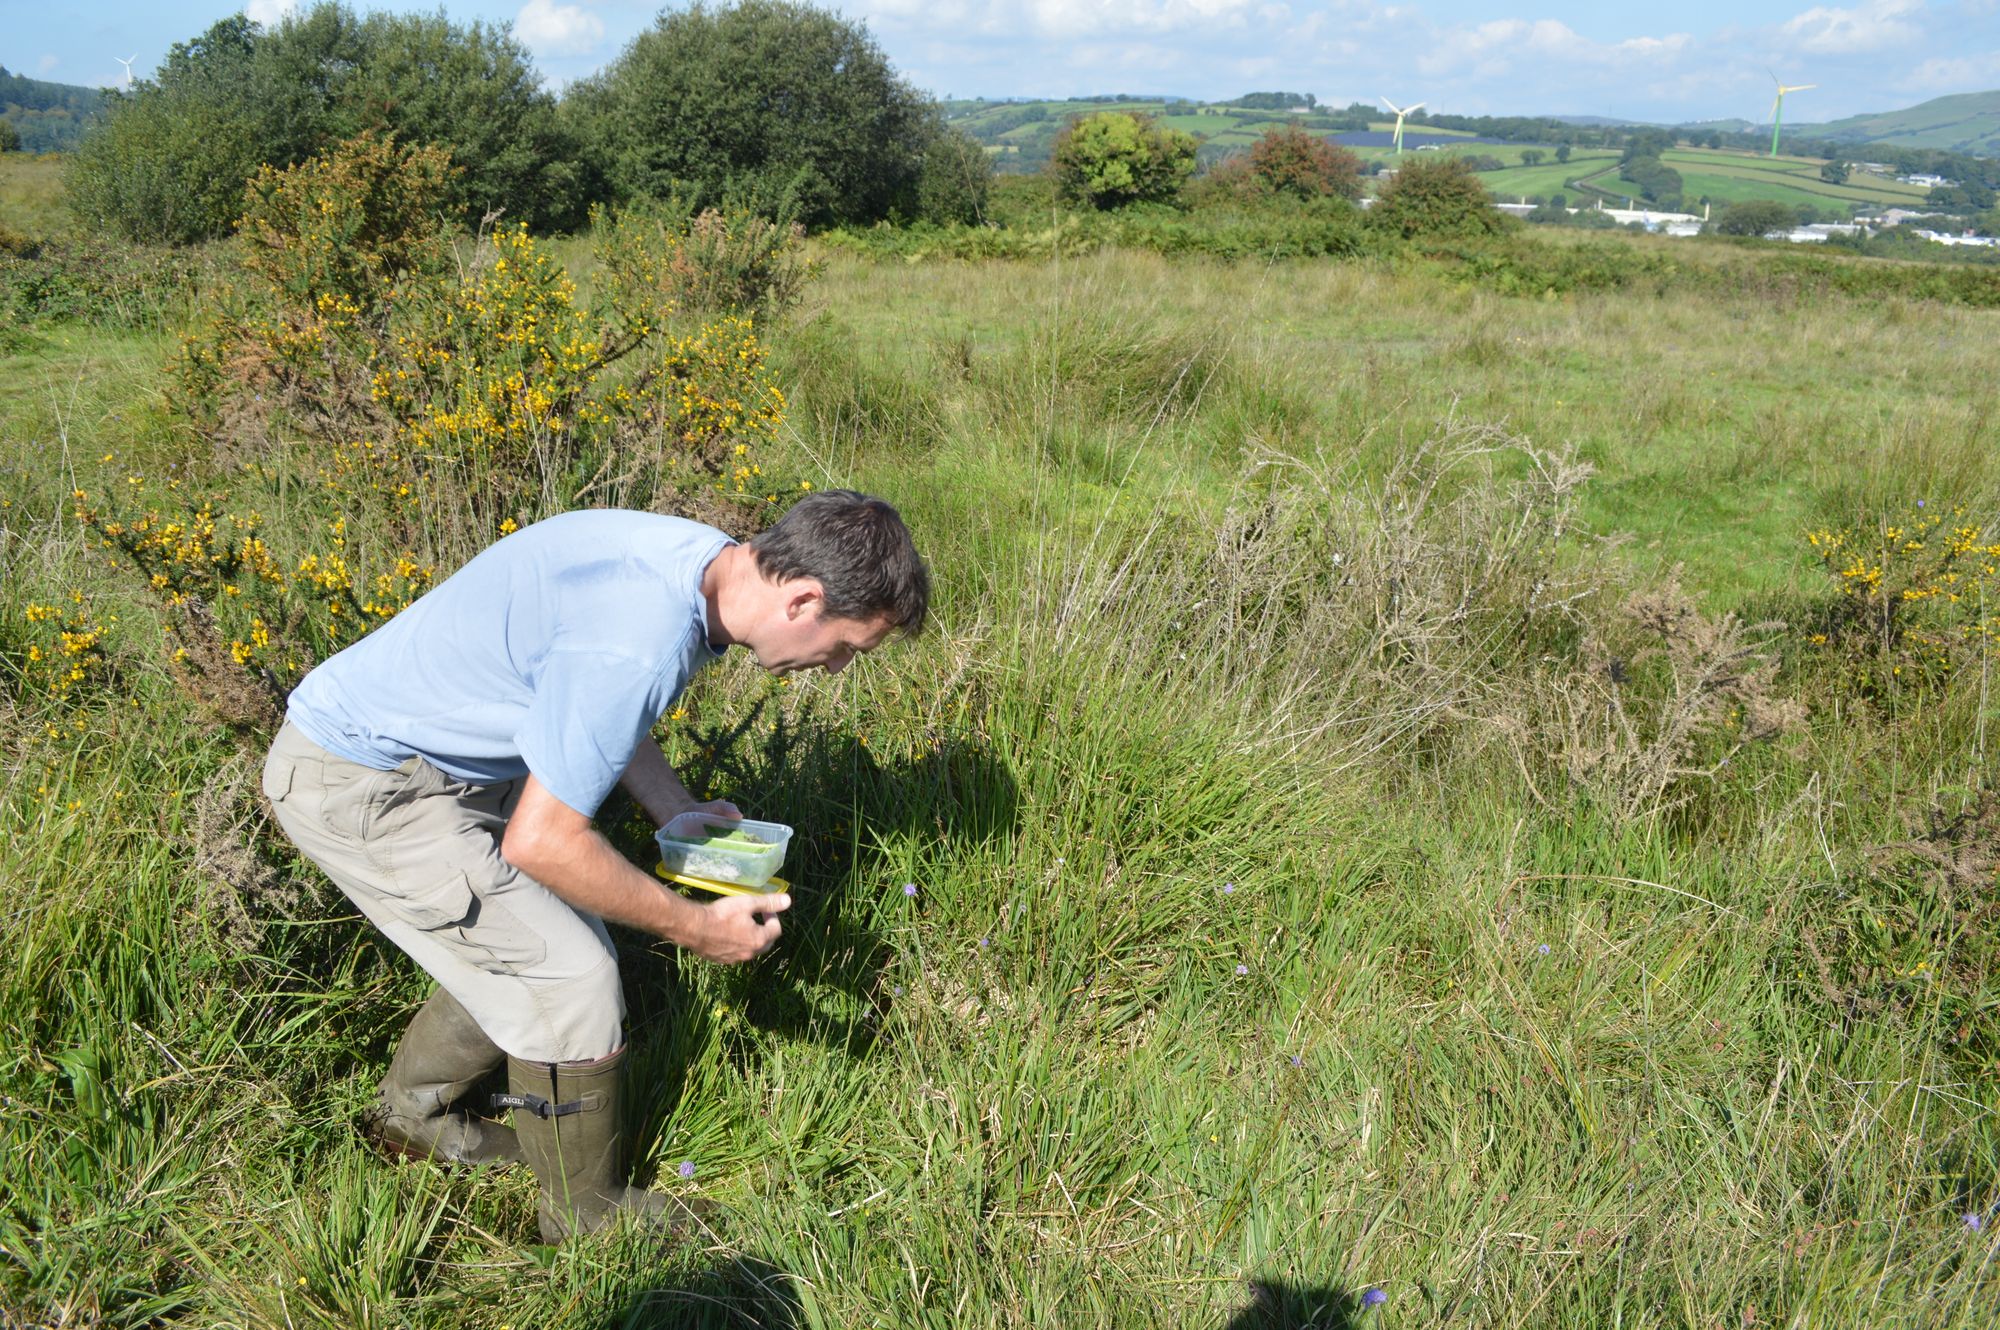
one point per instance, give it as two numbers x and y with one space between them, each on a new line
1823 30
268 12
1491 50
1073 18
548 28
47 63
1941 75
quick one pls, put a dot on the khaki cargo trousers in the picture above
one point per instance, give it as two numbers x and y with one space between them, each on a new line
418 852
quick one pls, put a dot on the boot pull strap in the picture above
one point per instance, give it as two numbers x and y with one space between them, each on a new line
541 1107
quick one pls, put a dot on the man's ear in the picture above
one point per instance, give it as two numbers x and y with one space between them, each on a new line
803 595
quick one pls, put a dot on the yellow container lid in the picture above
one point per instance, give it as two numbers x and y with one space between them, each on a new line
719 888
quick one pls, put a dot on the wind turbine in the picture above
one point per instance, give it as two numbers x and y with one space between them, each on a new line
1400 111
1778 108
127 62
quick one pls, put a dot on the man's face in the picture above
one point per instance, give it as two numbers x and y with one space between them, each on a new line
806 636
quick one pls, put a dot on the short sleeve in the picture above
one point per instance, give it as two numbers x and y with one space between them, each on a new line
589 712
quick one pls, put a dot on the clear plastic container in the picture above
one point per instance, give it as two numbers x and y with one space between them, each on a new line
721 849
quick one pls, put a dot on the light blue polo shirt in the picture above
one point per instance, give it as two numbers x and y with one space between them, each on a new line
552 652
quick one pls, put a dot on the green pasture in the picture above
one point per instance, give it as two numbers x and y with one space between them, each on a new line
1544 178
30 193
1794 173
1804 170
1344 853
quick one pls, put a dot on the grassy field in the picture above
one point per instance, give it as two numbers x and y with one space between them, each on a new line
1724 177
1799 171
30 192
1344 855
1545 178
1732 177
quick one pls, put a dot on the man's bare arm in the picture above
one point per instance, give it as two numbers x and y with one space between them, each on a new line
651 781
557 847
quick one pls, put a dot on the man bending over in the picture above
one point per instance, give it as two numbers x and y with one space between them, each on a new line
445 769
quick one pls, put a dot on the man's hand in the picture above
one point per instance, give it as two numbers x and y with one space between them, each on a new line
718 808
557 847
738 928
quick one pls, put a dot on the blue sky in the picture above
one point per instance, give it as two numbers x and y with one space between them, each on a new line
1698 59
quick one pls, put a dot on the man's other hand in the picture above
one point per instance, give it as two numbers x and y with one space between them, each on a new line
739 928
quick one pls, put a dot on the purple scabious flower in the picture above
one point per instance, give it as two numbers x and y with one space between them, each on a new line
909 888
1242 969
687 1168
1542 950
1373 1297
1229 888
984 943
1972 1220
1298 1061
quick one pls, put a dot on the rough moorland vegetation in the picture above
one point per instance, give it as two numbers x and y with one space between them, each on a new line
1452 784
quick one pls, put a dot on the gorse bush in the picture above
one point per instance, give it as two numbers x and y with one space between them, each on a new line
246 620
448 390
1919 599
700 260
339 229
59 648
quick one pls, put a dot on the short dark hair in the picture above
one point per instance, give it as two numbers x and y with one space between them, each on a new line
859 551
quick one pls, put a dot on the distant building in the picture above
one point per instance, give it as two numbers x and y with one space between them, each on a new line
1673 223
1817 233
1898 216
1962 238
1927 181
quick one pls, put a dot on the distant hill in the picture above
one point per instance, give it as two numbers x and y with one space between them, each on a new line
1592 121
1735 126
51 117
1968 122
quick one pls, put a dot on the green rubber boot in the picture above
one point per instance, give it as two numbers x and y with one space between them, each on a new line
567 1117
441 1057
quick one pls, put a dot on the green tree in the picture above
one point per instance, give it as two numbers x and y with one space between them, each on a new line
1658 183
1964 197
1562 152
1834 172
1754 217
1531 156
10 138
766 102
1274 101
473 91
1289 161
169 162
957 175
1113 158
1645 143
1438 197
